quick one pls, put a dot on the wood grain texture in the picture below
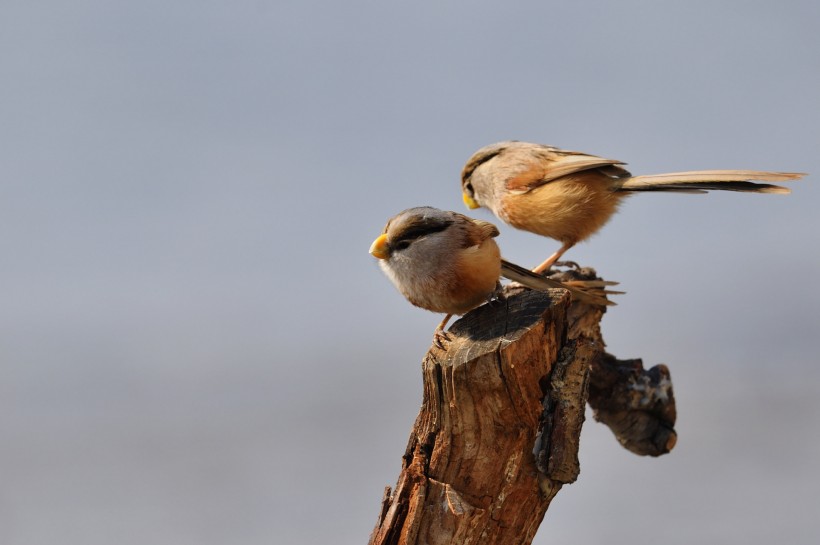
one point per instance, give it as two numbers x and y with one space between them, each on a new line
469 471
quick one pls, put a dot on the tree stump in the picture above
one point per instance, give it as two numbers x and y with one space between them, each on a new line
498 431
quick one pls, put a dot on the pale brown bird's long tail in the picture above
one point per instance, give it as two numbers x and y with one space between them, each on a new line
700 181
578 290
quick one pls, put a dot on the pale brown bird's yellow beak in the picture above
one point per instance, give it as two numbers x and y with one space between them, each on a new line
379 248
469 201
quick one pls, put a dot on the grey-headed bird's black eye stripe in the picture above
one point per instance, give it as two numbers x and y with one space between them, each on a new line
423 227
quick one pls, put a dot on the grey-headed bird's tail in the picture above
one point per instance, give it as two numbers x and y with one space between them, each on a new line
581 290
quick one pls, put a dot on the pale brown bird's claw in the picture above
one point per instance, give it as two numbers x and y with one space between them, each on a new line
440 337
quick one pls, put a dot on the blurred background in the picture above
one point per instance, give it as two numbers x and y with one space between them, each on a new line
196 347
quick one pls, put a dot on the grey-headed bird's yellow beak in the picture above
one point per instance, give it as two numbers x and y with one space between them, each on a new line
469 201
379 248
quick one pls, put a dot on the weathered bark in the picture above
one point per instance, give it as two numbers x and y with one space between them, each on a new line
498 431
637 404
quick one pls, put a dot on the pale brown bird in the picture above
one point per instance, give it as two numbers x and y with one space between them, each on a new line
569 195
446 262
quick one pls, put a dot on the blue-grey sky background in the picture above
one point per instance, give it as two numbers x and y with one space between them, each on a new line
196 347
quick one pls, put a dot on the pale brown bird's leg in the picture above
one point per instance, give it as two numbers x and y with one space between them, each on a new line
440 335
553 258
444 322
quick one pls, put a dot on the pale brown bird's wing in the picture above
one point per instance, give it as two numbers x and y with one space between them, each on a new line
478 230
540 165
